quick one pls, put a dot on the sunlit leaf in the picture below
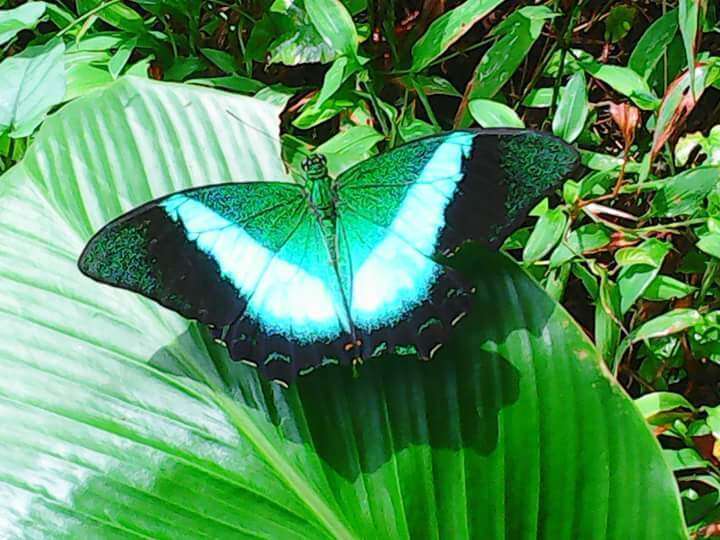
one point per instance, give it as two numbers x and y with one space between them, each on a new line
499 63
33 82
120 418
447 29
22 17
653 43
684 193
489 114
334 23
545 235
573 109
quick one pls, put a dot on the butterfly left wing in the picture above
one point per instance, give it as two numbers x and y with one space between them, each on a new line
246 258
398 211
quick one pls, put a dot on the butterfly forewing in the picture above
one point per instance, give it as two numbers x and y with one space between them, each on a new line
195 251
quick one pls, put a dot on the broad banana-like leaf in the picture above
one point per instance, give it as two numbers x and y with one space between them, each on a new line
119 419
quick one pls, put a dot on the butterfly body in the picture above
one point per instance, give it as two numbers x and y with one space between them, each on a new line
292 277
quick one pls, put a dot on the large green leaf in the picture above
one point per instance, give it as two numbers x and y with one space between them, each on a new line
120 419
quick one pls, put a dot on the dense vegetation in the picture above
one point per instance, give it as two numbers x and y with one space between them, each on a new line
631 247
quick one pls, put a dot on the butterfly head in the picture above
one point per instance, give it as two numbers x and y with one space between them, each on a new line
315 167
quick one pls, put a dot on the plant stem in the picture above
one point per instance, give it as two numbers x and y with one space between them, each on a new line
565 41
426 104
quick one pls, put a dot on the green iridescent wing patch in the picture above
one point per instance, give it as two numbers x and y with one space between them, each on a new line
292 278
151 252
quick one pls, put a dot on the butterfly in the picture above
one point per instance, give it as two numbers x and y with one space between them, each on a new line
293 276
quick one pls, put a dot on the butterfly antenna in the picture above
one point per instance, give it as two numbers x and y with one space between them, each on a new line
265 133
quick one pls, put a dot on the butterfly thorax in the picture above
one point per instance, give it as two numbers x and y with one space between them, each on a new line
321 195
319 186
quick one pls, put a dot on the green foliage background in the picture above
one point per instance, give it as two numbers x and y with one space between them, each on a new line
630 248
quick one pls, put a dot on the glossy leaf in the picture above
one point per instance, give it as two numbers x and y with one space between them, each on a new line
709 242
348 147
500 62
657 402
573 109
666 324
22 17
335 76
33 82
116 14
334 23
683 194
539 97
289 39
650 252
224 61
652 45
315 113
447 29
640 266
121 419
119 60
666 288
545 235
625 81
684 459
584 239
489 114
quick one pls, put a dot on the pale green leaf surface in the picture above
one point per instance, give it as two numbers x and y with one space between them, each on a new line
545 235
334 23
32 82
672 322
573 109
120 419
640 266
666 287
20 18
653 43
116 14
585 238
334 77
491 114
348 147
625 81
447 29
657 402
500 61
683 194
